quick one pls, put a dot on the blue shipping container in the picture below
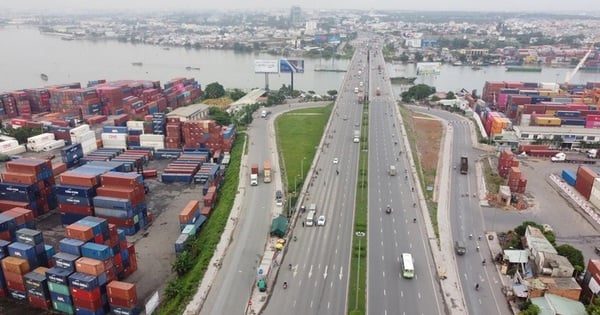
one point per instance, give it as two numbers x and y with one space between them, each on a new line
83 281
22 250
4 248
65 261
569 177
567 113
114 129
58 275
96 251
70 246
572 122
126 311
84 311
61 298
75 191
29 236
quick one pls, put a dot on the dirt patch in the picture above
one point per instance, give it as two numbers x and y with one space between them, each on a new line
428 133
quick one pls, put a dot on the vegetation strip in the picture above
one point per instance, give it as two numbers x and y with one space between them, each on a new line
358 265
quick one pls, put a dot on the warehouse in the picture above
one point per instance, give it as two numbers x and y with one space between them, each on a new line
191 112
571 136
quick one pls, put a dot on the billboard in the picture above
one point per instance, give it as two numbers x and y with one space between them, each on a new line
289 66
429 68
266 66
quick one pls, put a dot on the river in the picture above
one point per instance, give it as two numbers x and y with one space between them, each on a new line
26 53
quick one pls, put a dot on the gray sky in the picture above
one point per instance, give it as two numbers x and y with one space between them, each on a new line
578 6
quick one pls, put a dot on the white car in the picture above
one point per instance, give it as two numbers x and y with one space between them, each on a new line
335 161
321 220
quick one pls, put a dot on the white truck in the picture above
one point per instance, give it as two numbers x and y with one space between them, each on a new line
562 157
356 138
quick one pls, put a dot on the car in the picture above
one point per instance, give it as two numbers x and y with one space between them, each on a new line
335 161
321 220
460 248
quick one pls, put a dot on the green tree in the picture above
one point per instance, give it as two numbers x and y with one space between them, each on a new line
529 308
421 91
418 56
214 90
573 254
404 57
221 117
236 94
332 93
450 95
594 308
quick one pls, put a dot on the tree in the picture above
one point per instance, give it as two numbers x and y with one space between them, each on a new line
450 95
529 308
214 90
332 93
404 57
594 308
221 117
573 254
418 56
236 94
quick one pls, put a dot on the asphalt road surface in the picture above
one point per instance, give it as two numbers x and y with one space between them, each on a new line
390 235
318 279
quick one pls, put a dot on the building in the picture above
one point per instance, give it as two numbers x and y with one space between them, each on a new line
296 15
591 281
551 304
571 136
191 112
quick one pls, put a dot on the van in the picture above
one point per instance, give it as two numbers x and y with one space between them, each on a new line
392 170
312 207
310 218
460 248
263 114
356 89
279 198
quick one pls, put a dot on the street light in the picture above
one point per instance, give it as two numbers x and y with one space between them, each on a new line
360 235
302 167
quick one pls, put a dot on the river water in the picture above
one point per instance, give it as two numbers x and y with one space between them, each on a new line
26 53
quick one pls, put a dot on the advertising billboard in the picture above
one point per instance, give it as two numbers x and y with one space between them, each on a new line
429 68
266 66
289 66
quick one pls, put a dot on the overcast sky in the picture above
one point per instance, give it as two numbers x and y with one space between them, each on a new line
578 6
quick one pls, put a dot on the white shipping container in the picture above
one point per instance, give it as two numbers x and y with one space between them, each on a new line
82 137
525 119
595 195
44 137
114 144
16 150
8 145
54 145
114 137
135 125
152 137
38 147
78 130
89 146
153 144
6 138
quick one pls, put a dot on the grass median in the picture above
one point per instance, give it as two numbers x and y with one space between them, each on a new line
298 135
358 265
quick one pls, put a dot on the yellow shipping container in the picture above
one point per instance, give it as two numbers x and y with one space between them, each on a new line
547 121
550 112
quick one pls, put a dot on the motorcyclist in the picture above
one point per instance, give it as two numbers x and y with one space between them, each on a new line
483 262
477 286
414 220
414 204
470 236
290 265
477 247
285 284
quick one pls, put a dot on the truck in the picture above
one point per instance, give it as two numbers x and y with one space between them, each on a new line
378 91
254 174
592 154
356 138
562 157
392 170
464 164
267 171
263 114
361 98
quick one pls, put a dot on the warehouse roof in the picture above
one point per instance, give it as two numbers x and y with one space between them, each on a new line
250 98
189 110
564 130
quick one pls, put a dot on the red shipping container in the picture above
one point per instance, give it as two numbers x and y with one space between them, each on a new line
117 180
14 277
3 292
134 195
91 295
5 235
15 286
123 290
90 305
59 168
80 232
39 302
19 178
86 180
121 302
189 211
19 217
9 204
206 211
132 257
118 221
99 239
69 208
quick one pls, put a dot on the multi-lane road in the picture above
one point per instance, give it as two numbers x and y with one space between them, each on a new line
318 279
390 235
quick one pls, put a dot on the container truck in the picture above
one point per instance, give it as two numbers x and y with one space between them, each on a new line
464 164
267 171
562 157
254 174
356 138
361 98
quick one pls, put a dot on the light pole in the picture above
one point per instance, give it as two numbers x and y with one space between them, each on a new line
302 167
360 235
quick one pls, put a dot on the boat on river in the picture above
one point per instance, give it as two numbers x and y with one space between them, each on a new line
192 68
139 64
523 69
44 76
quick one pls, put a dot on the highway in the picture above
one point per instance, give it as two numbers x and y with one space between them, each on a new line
467 218
390 235
318 279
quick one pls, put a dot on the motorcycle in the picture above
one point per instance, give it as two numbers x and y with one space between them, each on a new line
285 285
388 210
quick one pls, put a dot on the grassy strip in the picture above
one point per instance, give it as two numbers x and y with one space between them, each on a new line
492 179
181 289
358 265
411 134
298 135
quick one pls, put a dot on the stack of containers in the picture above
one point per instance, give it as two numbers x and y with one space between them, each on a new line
134 131
592 121
23 106
10 105
8 228
84 136
37 143
193 134
505 162
183 169
585 180
122 298
112 98
491 90
514 177
121 201
595 194
228 135
72 154
36 286
173 133
114 137
210 198
30 246
39 99
14 270
104 154
188 216
76 190
29 180
156 141
61 132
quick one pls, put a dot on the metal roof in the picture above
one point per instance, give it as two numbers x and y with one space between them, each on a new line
552 304
189 110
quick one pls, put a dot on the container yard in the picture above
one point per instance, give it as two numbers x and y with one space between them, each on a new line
124 186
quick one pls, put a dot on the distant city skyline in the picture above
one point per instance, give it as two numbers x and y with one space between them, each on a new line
77 6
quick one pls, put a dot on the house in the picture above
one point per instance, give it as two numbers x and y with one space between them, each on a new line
565 287
591 281
551 304
191 112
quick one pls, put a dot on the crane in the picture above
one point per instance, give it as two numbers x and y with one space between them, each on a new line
571 74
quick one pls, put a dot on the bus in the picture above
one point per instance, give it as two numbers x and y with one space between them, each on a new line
408 269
